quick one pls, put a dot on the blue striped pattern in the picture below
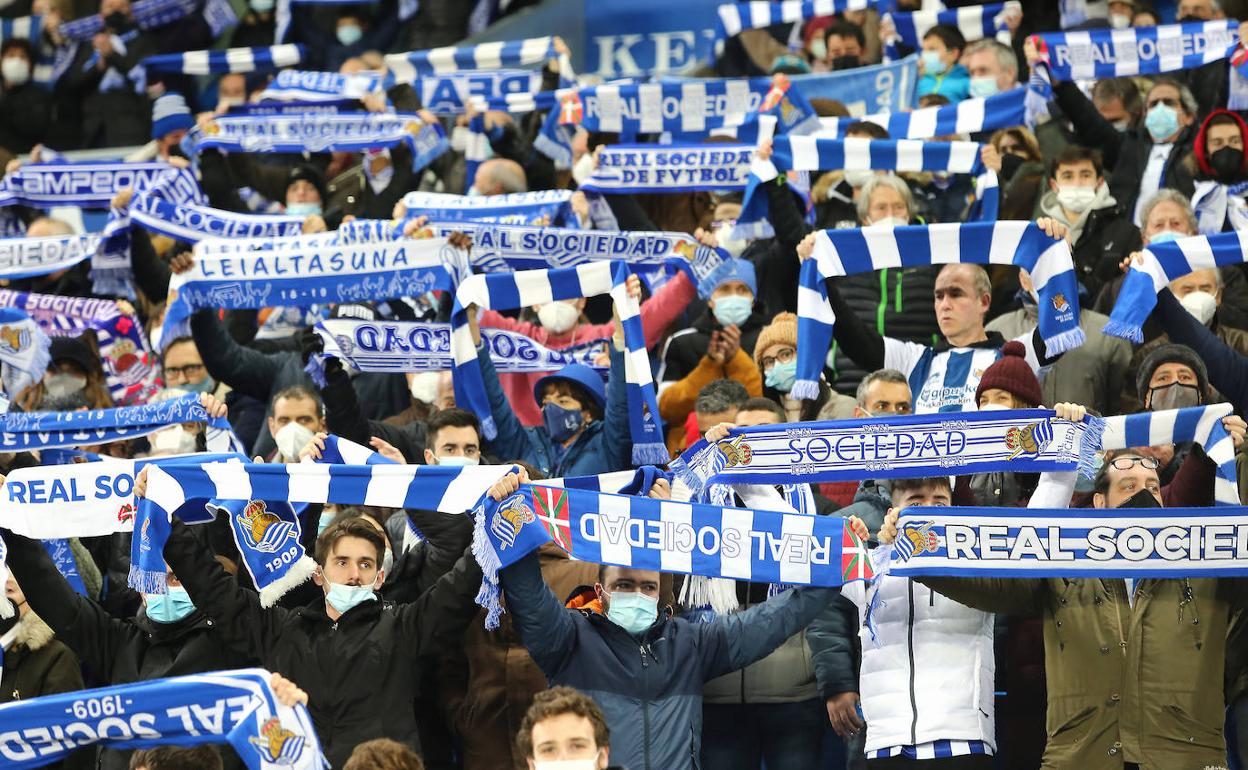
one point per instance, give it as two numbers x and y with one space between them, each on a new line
969 116
1199 424
406 67
23 28
733 18
933 750
1110 53
148 14
228 60
974 22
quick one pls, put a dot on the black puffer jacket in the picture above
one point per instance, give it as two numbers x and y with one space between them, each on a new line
685 348
897 303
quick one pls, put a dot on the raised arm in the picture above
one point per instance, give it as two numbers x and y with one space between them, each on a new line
616 431
249 372
1228 370
545 626
438 619
735 641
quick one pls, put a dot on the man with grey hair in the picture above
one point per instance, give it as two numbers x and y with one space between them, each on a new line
718 402
885 199
993 67
882 393
500 176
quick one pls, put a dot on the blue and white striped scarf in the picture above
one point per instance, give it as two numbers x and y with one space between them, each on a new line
24 431
148 14
476 149
541 208
809 153
648 168
969 116
225 276
975 22
192 223
1163 263
22 28
848 252
450 93
1039 94
23 350
733 18
29 257
1199 424
511 291
407 67
89 184
226 60
311 86
349 132
1111 53
236 707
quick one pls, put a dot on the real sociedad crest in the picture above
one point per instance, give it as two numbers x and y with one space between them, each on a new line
1029 439
265 531
916 537
14 339
736 452
276 744
509 518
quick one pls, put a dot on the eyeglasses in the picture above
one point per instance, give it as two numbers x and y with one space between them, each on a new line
783 357
185 372
1127 463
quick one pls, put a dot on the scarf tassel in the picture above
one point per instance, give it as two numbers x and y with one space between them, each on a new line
489 597
1125 330
1067 340
147 581
650 454
805 390
1089 445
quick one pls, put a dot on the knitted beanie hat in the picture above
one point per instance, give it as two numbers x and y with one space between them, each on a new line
1170 353
782 329
1013 374
170 113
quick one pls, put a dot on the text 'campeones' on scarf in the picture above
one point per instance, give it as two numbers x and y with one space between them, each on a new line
1110 53
648 168
235 707
645 533
1162 263
242 60
849 252
89 184
902 446
512 291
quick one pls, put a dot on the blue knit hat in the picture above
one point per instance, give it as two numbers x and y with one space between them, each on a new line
735 269
169 113
580 374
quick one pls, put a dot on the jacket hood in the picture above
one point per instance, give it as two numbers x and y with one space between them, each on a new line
32 632
1198 148
1051 208
584 599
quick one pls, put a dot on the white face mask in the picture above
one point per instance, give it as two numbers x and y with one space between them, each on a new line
424 386
16 70
890 222
994 408
1076 199
1119 20
566 764
1201 304
558 317
291 440
456 461
583 168
176 440
857 177
734 246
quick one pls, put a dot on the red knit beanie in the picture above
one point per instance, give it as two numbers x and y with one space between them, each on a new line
1013 374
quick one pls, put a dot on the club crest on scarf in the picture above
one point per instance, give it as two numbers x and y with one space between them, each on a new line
736 452
916 537
512 514
1030 439
276 744
14 339
1059 303
571 109
265 531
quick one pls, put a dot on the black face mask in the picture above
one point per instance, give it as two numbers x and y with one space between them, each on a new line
845 63
1141 499
1228 164
1010 164
117 22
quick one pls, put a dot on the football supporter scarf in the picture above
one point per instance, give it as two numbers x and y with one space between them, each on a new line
300 277
733 18
1110 53
23 350
128 362
512 291
1163 263
347 132
309 86
407 67
29 257
969 116
227 60
1039 94
88 184
148 14
22 28
236 707
266 533
411 346
648 168
62 555
24 431
450 93
543 207
974 22
1198 424
643 533
809 153
192 223
849 252
341 451
903 446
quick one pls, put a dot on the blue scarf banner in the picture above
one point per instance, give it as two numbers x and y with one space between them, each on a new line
236 707
887 87
1163 543
30 257
148 14
407 67
349 132
303 277
975 22
228 60
510 291
24 431
89 184
328 107
1198 424
733 18
863 250
411 346
340 451
309 86
969 116
22 28
665 535
901 446
451 93
23 350
541 208
193 223
1112 53
63 557
1162 263
648 168
267 534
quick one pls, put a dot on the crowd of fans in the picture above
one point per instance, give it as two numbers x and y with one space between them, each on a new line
387 640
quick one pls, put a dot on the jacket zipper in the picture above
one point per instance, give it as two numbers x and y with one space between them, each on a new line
914 703
645 713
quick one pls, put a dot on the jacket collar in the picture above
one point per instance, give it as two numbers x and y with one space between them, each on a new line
168 632
995 340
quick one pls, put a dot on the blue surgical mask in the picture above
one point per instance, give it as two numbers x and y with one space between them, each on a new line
324 520
781 376
984 86
561 423
1165 236
350 34
205 385
303 209
632 611
169 607
262 6
733 309
343 597
933 64
1162 121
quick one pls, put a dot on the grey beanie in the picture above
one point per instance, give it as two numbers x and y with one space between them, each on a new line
1167 354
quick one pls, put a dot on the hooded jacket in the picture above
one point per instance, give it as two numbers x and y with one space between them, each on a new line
649 686
1102 237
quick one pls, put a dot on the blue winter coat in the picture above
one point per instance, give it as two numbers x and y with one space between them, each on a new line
955 84
648 686
605 445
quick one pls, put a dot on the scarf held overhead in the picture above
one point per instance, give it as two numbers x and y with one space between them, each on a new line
733 18
88 184
1198 424
229 60
30 257
969 116
975 22
24 431
1110 53
406 67
23 350
644 168
542 207
849 252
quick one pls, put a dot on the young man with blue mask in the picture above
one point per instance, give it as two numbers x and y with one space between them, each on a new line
644 667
